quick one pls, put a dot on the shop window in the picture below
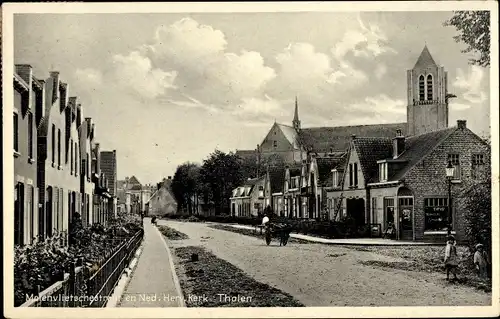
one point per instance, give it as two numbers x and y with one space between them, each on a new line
436 214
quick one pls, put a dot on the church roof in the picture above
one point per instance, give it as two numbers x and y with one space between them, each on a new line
289 132
425 59
133 180
325 139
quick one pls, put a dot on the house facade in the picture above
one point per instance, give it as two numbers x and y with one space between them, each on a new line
108 167
101 197
162 201
251 198
403 181
28 110
86 139
58 158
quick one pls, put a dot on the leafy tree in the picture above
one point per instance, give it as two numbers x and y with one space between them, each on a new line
477 214
249 167
185 185
474 31
221 173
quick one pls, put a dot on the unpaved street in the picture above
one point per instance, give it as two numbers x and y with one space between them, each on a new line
321 275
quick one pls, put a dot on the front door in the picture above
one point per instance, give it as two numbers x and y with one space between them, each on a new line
406 218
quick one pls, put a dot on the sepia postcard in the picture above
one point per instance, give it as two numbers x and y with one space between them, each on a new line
250 159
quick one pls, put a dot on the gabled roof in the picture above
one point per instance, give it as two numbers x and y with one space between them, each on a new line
133 180
425 59
326 164
325 139
290 133
277 179
418 147
370 150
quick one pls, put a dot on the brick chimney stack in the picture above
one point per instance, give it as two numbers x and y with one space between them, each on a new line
462 124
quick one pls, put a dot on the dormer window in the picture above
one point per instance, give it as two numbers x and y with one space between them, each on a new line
383 171
335 175
261 191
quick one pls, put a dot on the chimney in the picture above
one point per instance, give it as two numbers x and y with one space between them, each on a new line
462 124
25 71
79 114
158 185
169 177
398 144
98 157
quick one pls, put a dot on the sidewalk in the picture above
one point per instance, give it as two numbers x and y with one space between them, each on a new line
349 241
152 283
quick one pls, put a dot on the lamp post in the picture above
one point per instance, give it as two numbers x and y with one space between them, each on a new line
450 171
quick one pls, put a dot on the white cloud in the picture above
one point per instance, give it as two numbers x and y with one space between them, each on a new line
89 76
205 69
380 71
347 75
135 72
378 109
258 106
367 41
471 84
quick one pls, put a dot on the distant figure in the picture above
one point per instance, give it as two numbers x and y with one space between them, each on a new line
481 261
451 258
153 220
265 220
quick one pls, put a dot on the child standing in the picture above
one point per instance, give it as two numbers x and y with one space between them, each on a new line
481 261
451 258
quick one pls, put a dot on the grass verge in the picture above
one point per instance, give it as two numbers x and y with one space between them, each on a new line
427 259
250 232
213 282
171 233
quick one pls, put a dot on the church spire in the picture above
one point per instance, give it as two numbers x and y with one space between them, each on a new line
296 121
425 59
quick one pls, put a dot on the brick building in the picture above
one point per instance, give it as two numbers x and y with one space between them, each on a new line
28 111
402 180
108 167
250 198
58 158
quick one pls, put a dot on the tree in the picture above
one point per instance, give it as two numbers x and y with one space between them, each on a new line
476 207
185 185
474 31
220 174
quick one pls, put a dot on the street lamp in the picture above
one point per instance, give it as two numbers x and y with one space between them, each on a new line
450 171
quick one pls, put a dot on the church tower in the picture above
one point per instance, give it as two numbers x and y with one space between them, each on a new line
296 121
427 108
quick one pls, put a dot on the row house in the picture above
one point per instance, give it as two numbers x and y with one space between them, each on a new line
58 158
28 111
402 181
54 172
251 198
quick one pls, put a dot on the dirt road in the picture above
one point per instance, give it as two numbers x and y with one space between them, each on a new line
321 275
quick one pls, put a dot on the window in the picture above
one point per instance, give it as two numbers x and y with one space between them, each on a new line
76 159
31 219
59 147
16 132
421 88
429 87
477 159
19 214
87 172
30 135
374 210
454 159
261 191
353 174
335 178
436 214
71 159
275 144
294 206
478 170
383 171
389 211
53 144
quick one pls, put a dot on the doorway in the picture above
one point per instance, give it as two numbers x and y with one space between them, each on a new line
356 209
405 212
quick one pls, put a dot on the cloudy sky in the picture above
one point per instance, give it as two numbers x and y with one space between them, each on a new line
168 88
